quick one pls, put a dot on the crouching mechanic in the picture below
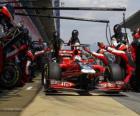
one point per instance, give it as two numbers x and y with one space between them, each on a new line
123 53
85 68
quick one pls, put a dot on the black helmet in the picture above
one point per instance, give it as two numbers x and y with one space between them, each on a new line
8 11
117 28
75 33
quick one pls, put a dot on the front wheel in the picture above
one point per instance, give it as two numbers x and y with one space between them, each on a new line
84 82
50 71
45 77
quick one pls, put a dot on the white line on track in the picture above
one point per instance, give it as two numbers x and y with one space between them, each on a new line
29 88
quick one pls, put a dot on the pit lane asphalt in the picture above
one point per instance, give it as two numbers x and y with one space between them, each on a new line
32 101
131 101
12 102
84 104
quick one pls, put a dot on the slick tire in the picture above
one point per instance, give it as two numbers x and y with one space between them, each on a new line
19 82
50 71
115 72
10 76
84 82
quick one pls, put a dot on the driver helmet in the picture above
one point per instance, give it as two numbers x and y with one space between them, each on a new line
8 12
75 33
77 46
76 52
117 29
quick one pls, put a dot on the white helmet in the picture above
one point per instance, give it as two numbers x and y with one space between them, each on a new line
77 46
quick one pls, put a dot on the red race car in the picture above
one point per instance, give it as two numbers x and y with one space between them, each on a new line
76 70
71 71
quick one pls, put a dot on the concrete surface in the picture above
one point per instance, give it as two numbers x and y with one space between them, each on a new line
71 104
12 102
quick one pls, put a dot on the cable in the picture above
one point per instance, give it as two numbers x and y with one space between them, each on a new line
124 23
107 25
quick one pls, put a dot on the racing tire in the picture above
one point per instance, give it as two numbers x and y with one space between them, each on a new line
20 81
54 71
50 71
10 76
114 72
84 82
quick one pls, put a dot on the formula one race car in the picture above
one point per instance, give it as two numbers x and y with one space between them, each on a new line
76 70
71 69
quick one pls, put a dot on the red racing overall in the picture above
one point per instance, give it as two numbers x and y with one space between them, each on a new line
130 68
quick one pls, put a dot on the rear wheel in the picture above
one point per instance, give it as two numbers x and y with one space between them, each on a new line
114 72
10 76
